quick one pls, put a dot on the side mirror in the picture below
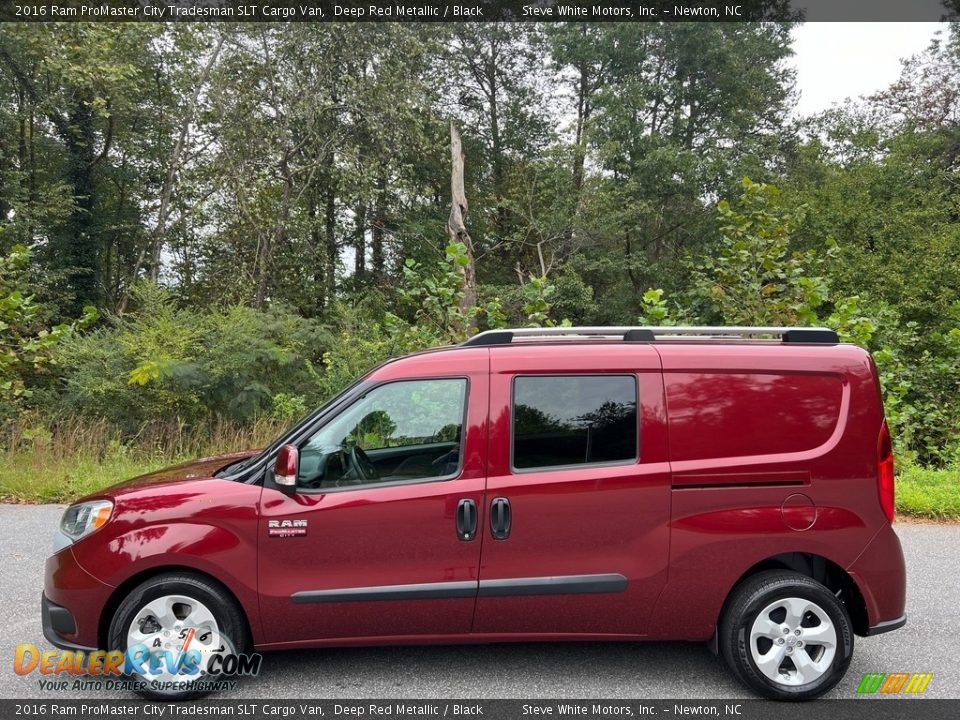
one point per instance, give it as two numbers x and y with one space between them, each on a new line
285 471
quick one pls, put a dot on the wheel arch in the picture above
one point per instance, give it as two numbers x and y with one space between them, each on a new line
124 588
818 568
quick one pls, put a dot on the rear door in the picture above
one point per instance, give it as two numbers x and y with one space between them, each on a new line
578 492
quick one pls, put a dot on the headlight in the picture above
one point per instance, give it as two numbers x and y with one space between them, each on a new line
83 518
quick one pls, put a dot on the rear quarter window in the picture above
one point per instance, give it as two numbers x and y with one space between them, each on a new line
714 415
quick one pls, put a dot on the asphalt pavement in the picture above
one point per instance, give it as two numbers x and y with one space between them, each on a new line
527 670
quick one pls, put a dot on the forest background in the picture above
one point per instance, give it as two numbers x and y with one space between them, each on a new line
206 230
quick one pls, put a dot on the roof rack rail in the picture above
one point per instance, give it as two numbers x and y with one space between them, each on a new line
650 334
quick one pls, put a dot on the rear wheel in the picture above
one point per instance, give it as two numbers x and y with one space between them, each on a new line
786 636
169 616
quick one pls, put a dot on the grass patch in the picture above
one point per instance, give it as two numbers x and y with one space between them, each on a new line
22 479
927 493
75 459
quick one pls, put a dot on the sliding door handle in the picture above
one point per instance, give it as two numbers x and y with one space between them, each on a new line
500 518
466 519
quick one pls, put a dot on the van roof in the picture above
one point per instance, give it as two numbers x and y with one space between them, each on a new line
721 348
805 335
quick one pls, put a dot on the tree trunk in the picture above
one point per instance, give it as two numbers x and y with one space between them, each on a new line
330 235
360 239
32 177
378 226
262 268
169 180
278 238
580 141
79 249
456 224
4 206
22 134
316 242
584 108
499 180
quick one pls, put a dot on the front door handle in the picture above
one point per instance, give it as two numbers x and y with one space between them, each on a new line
500 518
466 519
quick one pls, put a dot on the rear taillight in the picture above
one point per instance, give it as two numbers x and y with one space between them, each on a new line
885 484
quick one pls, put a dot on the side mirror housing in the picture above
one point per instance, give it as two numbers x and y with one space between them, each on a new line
288 462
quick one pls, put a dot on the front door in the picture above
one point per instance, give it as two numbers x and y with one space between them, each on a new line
578 492
372 542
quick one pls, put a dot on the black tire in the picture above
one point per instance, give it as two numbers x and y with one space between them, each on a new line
744 606
228 615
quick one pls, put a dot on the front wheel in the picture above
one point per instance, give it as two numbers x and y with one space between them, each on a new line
170 627
786 636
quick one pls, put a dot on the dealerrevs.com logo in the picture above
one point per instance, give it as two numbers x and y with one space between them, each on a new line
189 660
894 683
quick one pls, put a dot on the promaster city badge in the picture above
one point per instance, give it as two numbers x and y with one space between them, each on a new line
286 528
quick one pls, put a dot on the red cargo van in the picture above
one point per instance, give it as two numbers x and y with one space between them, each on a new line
723 485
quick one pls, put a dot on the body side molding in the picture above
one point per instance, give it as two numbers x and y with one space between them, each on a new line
550 585
554 585
418 591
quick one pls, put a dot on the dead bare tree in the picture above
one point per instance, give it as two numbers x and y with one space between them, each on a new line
456 224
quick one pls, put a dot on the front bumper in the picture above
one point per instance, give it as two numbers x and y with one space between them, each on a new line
72 604
57 622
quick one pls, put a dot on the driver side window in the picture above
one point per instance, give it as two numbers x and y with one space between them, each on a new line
407 430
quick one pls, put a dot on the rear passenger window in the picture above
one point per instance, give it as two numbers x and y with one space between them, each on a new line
574 420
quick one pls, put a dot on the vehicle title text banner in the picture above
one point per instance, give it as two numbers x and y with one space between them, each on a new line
479 10
133 709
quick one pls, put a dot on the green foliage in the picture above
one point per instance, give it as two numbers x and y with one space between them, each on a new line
288 408
753 277
655 310
573 299
432 298
541 301
539 293
165 361
27 346
361 340
429 313
430 301
288 185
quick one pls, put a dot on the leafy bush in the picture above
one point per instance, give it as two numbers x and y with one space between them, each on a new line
170 362
360 342
755 278
563 299
27 345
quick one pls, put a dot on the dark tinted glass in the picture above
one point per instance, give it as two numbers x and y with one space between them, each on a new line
574 420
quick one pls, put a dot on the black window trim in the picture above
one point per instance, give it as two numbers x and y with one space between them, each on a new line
395 483
575 466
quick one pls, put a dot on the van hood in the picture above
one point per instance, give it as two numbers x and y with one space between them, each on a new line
201 469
